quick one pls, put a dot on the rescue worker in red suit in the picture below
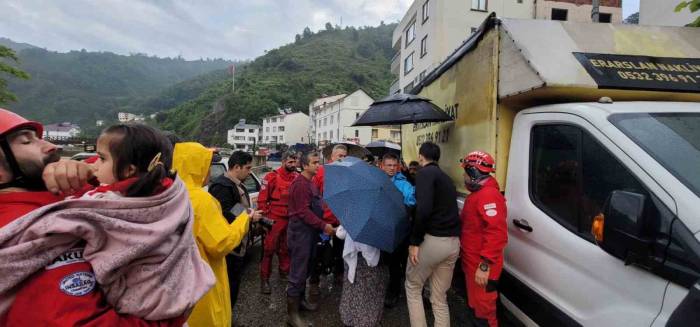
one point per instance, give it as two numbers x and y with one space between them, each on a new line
273 201
41 301
338 152
484 236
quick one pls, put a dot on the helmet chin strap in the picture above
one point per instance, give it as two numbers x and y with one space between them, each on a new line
19 179
476 178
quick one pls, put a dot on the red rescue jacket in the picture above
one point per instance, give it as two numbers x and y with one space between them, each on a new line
328 215
52 297
273 198
484 227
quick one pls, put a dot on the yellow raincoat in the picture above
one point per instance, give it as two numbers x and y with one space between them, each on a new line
214 235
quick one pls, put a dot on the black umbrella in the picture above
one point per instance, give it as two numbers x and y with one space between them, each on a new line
401 109
354 150
379 148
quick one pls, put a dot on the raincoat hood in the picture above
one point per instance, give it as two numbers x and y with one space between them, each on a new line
192 160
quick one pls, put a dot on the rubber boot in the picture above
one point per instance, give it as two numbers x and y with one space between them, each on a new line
308 306
265 286
314 293
293 317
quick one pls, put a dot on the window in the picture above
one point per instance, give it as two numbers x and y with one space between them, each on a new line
251 139
408 88
357 115
280 129
357 133
331 119
520 1
421 76
331 135
395 135
267 138
325 121
559 14
324 135
473 29
604 18
267 129
425 12
410 33
424 46
240 130
408 64
375 133
479 5
274 120
571 177
274 129
251 130
281 139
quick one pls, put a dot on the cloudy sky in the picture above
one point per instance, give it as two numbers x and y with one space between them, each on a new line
193 29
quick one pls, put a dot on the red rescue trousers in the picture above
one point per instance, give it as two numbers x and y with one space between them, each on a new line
275 242
481 299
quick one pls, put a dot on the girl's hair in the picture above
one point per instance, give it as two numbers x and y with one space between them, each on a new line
138 145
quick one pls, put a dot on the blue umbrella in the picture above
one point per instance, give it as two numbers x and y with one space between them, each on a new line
367 203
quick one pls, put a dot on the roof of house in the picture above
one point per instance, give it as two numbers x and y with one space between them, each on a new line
61 127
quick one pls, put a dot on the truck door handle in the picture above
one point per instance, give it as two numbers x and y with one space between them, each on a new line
522 224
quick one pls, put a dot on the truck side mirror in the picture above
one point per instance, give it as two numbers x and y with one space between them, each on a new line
621 229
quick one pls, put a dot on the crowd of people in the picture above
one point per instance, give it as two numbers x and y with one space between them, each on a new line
132 237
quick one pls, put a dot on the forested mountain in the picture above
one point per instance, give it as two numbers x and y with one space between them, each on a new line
82 86
331 61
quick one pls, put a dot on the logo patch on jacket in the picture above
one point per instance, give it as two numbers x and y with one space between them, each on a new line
72 256
78 283
490 209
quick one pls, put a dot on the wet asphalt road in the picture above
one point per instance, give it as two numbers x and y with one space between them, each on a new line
254 309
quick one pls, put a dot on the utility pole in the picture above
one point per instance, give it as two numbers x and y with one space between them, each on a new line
595 11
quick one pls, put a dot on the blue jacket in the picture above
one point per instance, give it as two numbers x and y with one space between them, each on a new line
405 187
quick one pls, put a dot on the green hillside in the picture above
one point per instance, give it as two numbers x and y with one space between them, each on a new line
332 61
81 86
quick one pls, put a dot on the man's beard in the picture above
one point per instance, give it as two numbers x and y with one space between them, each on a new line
290 168
33 171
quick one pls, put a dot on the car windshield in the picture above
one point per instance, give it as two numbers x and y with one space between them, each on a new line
672 139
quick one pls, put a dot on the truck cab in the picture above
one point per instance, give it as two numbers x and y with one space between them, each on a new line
633 166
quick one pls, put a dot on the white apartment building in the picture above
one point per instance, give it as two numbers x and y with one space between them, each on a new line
61 131
331 117
661 12
286 128
125 117
244 136
432 29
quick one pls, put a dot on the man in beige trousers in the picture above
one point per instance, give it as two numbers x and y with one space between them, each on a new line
434 240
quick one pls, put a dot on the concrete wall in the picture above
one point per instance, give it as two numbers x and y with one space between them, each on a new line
661 12
578 11
296 128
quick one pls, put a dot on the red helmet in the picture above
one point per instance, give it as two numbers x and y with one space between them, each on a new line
480 160
10 121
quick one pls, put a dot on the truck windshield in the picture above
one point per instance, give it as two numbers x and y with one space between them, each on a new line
672 139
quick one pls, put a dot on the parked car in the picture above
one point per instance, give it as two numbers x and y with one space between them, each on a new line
82 156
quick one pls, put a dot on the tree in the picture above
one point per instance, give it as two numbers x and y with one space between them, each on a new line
307 32
5 95
632 19
297 38
693 6
329 27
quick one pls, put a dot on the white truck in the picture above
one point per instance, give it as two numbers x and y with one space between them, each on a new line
596 133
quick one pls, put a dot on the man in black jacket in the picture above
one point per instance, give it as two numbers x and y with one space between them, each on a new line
229 190
434 239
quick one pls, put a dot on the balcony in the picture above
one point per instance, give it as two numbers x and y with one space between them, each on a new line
394 88
396 64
